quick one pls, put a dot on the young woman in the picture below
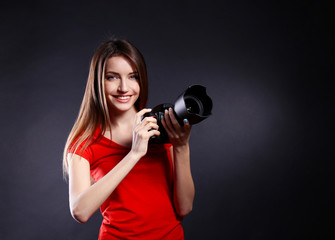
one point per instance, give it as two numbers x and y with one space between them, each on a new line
143 190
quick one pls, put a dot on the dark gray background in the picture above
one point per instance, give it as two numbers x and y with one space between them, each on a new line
260 162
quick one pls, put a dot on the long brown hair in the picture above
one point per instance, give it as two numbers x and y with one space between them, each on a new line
94 110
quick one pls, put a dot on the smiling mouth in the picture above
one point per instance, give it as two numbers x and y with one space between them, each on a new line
122 98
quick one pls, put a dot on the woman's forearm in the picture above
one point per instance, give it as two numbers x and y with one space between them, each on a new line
184 187
84 204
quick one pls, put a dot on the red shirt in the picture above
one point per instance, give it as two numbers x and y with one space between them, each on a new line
141 207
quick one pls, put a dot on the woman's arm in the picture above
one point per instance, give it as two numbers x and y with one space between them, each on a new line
180 151
183 186
85 199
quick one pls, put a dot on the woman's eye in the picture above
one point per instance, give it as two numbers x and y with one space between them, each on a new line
110 77
134 77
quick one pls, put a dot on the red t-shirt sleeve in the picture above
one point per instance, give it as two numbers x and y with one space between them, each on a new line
80 151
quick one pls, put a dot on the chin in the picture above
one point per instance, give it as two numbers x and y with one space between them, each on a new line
122 108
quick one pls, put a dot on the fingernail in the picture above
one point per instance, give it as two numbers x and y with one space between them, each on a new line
161 116
185 120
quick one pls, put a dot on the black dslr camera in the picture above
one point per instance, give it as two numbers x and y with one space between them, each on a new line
193 104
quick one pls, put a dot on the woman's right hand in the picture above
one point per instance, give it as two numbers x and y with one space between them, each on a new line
143 130
85 199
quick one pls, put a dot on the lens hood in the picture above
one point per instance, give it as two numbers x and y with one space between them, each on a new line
193 104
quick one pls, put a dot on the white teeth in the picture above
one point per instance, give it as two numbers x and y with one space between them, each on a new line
123 97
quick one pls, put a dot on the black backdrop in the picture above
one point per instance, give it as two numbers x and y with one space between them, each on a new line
260 162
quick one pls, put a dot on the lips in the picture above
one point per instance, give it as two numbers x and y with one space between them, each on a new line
122 98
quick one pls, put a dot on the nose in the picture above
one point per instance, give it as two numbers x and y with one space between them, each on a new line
123 86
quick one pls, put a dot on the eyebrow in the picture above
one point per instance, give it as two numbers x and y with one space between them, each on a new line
112 72
119 73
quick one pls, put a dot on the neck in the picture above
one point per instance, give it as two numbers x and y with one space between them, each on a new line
122 118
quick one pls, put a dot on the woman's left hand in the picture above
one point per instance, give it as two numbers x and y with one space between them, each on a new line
179 135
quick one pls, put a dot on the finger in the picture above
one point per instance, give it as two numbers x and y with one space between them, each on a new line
173 120
186 124
147 123
146 126
145 133
138 116
168 124
150 125
163 122
148 120
153 132
187 127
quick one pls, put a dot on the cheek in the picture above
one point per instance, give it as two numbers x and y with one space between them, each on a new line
109 88
136 87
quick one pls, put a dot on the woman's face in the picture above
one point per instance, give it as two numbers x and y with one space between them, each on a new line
121 85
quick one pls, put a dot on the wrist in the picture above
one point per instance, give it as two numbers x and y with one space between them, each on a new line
135 155
181 148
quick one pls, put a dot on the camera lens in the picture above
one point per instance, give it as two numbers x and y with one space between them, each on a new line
193 105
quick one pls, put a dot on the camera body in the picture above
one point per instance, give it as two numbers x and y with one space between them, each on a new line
193 104
158 113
